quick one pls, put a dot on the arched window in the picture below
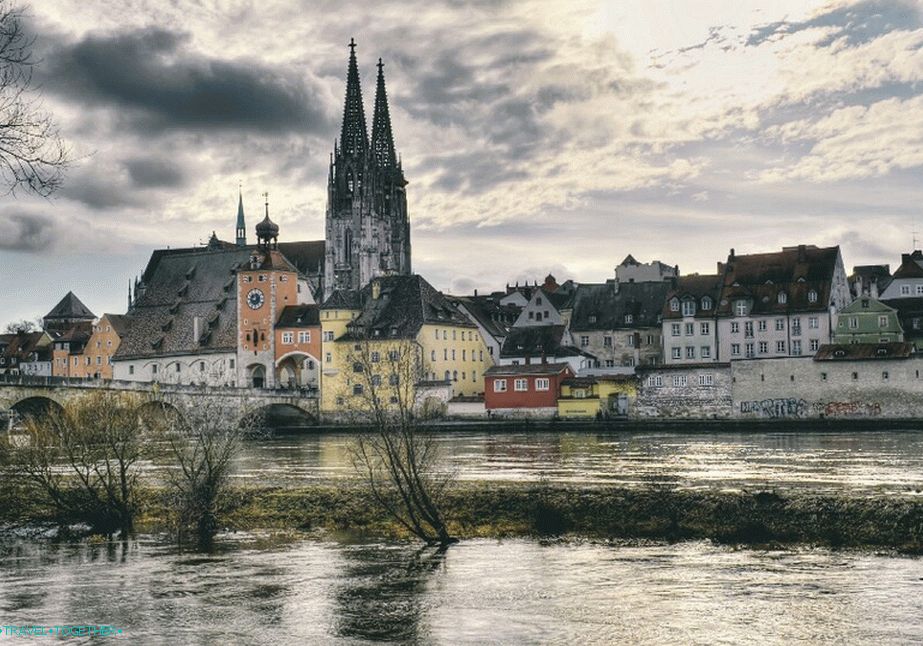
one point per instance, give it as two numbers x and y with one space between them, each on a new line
812 296
783 298
689 307
348 245
706 303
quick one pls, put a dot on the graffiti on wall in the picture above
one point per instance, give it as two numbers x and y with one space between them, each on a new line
775 408
848 409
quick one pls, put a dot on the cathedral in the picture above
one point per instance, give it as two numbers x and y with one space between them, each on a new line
367 228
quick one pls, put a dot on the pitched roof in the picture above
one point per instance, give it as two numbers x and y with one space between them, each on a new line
695 287
796 271
910 266
863 351
402 306
306 255
70 307
179 287
299 316
537 341
908 311
527 369
602 306
343 299
119 323
866 304
495 318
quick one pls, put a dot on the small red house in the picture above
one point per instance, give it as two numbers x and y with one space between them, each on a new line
525 389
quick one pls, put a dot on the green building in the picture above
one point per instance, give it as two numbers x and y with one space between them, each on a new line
867 320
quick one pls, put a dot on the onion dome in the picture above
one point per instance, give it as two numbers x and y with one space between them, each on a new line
267 230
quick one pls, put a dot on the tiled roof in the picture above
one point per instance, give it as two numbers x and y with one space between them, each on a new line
527 369
119 323
796 271
910 266
299 316
70 307
600 306
537 341
493 317
696 287
178 288
404 304
22 344
908 310
306 255
343 299
863 351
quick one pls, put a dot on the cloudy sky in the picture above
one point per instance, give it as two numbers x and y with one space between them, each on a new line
537 135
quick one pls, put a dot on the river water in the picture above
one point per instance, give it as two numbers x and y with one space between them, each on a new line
874 462
481 591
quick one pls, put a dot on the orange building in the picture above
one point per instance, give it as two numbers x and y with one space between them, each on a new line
96 360
298 346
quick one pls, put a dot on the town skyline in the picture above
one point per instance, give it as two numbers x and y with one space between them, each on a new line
573 141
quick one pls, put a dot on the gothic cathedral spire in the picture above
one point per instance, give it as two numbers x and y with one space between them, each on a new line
367 230
241 226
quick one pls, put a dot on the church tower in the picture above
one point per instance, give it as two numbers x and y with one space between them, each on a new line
241 226
367 229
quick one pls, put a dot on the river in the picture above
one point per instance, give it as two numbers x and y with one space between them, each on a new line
873 462
326 590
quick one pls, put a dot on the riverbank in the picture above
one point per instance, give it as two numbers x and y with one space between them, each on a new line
488 510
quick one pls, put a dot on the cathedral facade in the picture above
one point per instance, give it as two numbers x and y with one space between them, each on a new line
367 227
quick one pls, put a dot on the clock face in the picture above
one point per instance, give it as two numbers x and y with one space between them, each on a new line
255 299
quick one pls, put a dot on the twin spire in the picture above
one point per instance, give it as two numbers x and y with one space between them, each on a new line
354 138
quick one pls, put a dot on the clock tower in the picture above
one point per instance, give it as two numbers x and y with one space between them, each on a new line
265 286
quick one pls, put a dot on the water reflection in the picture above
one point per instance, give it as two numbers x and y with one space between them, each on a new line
518 591
871 462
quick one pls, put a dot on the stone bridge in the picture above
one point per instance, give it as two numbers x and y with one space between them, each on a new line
21 394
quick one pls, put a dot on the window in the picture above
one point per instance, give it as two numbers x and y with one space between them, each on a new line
393 355
855 376
445 354
812 296
262 278
675 329
705 352
884 375
735 349
499 385
610 363
432 355
815 344
796 347
231 363
629 319
813 322
780 346
704 328
154 369
453 354
679 380
201 366
328 335
542 383
455 375
764 347
376 380
690 329
607 341
761 326
328 358
748 328
375 357
674 304
905 290
853 322
783 298
735 327
823 376
706 303
521 385
677 353
688 308
584 341
883 321
304 337
394 380
655 380
706 380
919 290
631 340
178 367
464 355
748 349
358 389
288 337
591 318
780 324
740 308
538 300
690 352
131 370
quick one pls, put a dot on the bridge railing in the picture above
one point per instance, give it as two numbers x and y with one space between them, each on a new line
148 386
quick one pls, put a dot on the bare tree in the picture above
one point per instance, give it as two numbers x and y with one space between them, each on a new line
399 461
201 443
33 154
84 459
23 325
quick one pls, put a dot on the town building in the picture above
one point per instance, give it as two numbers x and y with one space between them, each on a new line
367 226
596 397
779 304
26 353
690 320
907 281
385 321
701 390
547 308
867 320
527 390
869 280
298 346
544 344
632 271
68 313
492 319
95 360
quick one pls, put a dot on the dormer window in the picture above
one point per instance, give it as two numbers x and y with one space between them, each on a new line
689 308
706 303
812 296
783 298
591 318
674 304
740 308
629 319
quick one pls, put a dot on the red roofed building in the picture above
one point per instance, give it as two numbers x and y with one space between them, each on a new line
531 389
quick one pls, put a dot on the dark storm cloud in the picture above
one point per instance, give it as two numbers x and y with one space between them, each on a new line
24 231
99 187
154 74
153 172
857 24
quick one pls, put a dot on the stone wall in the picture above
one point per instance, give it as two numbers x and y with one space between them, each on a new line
696 392
804 388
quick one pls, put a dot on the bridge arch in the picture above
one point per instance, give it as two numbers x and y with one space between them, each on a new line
279 416
297 369
36 406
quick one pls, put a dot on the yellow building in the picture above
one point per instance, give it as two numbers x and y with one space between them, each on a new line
395 327
591 397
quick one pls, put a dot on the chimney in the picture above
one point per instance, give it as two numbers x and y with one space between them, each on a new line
475 291
873 288
731 257
802 256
